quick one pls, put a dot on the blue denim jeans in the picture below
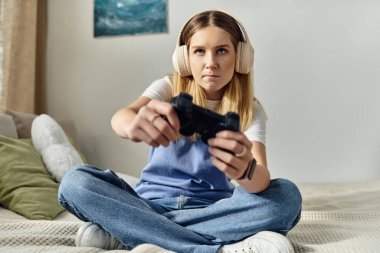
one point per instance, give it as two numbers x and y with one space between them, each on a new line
180 224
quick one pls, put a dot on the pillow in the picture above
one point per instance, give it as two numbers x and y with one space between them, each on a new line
7 126
25 186
23 122
51 142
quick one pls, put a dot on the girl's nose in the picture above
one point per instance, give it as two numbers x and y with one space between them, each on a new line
210 60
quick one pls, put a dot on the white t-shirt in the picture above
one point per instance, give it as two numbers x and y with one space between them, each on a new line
161 89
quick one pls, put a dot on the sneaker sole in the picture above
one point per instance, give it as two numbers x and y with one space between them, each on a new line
80 232
150 248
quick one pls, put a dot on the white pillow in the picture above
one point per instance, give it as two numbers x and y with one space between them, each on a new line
51 142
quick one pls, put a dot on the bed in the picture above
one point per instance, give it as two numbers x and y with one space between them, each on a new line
336 217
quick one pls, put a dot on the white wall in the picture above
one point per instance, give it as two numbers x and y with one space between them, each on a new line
316 72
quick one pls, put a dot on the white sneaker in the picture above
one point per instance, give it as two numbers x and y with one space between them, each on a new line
262 242
90 235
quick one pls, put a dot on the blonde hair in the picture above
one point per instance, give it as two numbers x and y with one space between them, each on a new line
238 95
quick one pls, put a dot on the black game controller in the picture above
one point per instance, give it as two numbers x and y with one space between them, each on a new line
195 119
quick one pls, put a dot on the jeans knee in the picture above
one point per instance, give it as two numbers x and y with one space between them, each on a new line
278 207
74 179
290 198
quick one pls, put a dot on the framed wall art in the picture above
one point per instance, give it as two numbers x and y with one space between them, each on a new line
129 17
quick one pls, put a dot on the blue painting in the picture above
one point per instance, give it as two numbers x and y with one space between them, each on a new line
129 17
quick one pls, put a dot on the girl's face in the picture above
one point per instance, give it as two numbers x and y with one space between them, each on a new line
212 60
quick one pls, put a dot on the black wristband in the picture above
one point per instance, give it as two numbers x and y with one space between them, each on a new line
249 170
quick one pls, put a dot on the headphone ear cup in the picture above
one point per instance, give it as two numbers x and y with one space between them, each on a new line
244 57
181 62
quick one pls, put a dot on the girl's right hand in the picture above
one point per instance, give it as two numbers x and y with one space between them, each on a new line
150 127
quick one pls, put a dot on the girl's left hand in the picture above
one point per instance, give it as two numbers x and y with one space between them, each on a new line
231 153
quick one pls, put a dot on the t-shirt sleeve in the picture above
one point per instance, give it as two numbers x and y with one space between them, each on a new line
160 89
258 130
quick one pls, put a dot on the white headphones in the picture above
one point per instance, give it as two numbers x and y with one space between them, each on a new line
244 55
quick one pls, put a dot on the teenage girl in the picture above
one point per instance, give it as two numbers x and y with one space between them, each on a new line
185 200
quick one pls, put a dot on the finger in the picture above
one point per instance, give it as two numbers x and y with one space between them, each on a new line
238 136
243 152
156 127
140 135
144 129
231 145
230 171
153 133
166 109
227 158
163 126
239 145
173 119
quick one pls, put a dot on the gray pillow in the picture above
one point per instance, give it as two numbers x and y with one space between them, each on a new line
7 126
23 122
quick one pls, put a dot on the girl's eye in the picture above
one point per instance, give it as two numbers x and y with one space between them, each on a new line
199 51
221 50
